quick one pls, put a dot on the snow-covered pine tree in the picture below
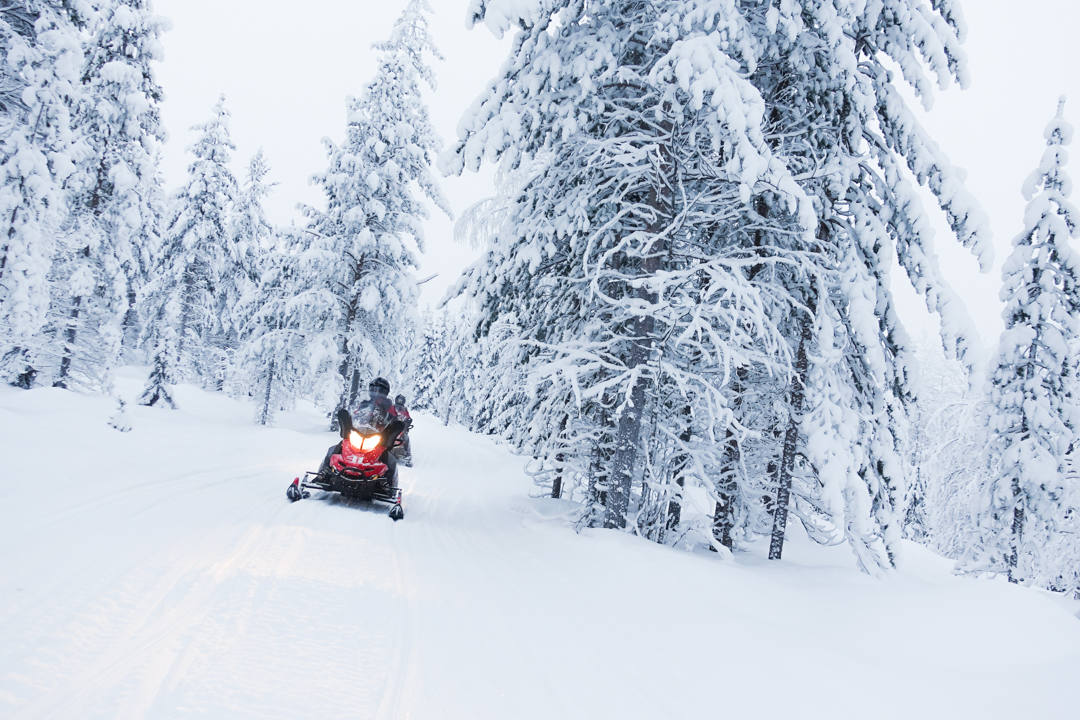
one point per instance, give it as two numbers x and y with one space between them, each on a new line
427 361
626 259
114 216
249 235
183 303
274 359
41 53
252 231
832 120
369 237
843 129
254 241
1034 391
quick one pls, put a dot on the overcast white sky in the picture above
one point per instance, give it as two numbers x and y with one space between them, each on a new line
286 68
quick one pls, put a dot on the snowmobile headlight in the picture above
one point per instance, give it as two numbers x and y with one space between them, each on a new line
364 443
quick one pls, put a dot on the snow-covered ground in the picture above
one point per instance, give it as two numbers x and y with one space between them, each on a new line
162 573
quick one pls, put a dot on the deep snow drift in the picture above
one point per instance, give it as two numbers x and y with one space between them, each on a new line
162 573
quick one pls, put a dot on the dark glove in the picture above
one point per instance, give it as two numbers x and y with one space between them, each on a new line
344 420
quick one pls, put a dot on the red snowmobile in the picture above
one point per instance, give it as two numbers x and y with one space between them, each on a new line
357 471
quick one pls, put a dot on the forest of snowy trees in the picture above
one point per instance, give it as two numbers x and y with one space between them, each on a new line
683 312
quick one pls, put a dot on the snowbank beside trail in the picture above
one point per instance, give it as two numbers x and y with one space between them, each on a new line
161 573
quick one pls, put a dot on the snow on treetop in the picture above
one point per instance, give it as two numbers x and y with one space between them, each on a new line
501 15
1059 131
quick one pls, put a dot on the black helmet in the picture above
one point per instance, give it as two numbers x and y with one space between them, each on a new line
379 385
400 400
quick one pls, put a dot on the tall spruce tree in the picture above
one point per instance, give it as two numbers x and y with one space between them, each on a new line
115 213
197 258
758 151
41 53
628 265
274 358
843 127
1034 391
255 248
369 237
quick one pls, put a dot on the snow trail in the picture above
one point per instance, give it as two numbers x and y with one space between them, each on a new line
164 575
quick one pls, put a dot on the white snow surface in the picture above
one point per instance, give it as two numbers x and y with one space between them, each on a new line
161 573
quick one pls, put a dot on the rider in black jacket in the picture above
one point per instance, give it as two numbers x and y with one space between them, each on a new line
378 412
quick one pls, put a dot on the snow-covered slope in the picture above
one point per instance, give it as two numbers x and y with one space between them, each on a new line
162 573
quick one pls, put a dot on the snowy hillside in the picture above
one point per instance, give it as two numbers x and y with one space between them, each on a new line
162 573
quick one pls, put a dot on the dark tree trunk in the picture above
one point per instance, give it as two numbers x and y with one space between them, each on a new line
724 512
131 321
187 312
223 366
7 244
1017 534
347 369
682 466
627 438
560 459
70 334
598 485
1017 531
69 343
642 341
264 413
726 485
791 438
599 466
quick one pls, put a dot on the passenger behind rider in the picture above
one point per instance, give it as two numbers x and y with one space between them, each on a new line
404 451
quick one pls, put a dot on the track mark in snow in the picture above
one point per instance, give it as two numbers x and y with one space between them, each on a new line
402 678
147 627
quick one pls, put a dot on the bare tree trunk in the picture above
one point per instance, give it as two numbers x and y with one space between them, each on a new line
10 234
560 458
347 369
791 438
642 342
1017 534
599 468
556 484
186 312
70 334
682 465
222 367
131 321
69 342
726 485
724 512
627 438
264 413
1017 531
